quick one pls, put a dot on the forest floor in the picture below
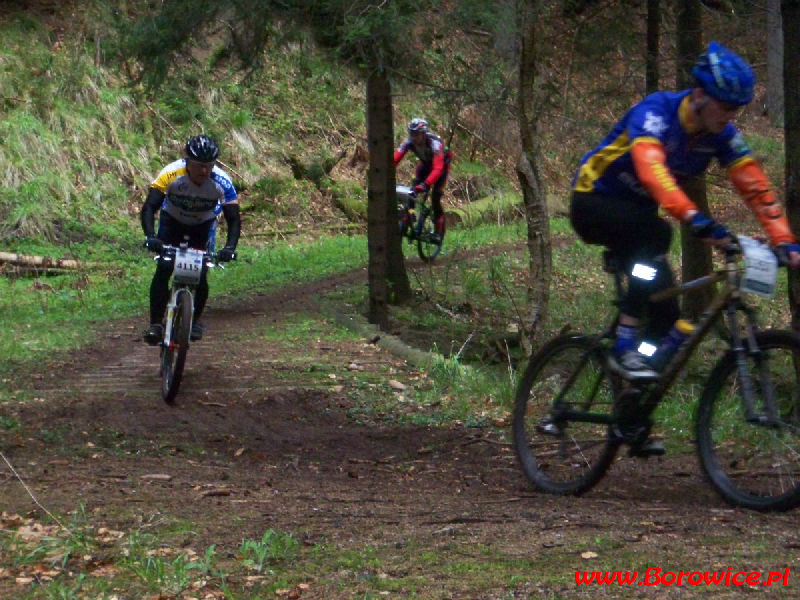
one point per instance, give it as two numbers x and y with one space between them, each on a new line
262 437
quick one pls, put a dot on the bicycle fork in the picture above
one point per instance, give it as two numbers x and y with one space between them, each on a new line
741 352
171 308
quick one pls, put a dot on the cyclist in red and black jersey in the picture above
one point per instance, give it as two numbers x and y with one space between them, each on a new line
621 184
433 166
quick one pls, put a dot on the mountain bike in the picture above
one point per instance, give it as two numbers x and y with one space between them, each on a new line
572 412
188 267
416 224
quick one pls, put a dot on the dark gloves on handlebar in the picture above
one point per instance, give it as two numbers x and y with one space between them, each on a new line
226 254
421 188
706 227
154 244
782 252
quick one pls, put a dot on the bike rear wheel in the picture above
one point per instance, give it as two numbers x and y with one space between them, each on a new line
754 465
173 356
563 453
428 243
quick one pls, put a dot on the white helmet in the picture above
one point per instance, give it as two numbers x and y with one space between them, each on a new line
418 126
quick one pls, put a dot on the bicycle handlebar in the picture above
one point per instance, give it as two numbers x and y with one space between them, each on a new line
735 248
168 252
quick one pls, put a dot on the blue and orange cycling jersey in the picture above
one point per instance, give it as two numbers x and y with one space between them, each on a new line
662 118
657 143
191 204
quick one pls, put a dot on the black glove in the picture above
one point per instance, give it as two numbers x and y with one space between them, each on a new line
154 244
705 227
226 254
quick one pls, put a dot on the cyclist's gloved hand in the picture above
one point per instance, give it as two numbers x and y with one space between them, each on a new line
421 188
154 244
706 227
782 251
227 254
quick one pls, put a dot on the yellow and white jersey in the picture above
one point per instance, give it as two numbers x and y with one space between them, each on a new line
192 204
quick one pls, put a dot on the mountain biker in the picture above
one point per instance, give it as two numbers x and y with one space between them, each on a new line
432 168
621 184
190 192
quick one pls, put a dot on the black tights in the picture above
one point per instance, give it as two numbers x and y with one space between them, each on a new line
172 232
635 233
159 292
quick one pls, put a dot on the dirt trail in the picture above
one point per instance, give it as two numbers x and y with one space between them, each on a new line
254 443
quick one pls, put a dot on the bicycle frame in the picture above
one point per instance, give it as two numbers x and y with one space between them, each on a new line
420 206
177 290
729 301
420 231
573 409
189 266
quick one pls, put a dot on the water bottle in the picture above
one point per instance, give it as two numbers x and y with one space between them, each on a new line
672 341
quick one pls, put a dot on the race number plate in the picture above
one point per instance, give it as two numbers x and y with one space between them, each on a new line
188 266
761 268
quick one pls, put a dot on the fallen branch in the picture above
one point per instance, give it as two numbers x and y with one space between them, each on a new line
41 262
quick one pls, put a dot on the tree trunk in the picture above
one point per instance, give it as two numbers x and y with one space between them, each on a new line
530 179
696 255
790 14
388 281
653 34
775 63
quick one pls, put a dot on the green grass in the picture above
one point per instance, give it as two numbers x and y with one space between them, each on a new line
53 314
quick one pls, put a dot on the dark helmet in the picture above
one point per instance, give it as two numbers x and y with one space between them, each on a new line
202 149
724 75
418 126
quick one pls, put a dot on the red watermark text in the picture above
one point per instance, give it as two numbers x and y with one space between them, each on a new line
657 576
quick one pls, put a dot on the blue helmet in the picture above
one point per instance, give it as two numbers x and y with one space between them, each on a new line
724 75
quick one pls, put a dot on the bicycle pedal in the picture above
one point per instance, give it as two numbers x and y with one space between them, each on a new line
547 427
631 433
764 420
650 447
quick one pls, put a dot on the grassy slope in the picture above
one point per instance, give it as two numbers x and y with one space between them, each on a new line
82 142
79 135
81 145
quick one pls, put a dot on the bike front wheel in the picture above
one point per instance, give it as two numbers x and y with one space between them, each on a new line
429 244
173 355
563 412
403 219
754 462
